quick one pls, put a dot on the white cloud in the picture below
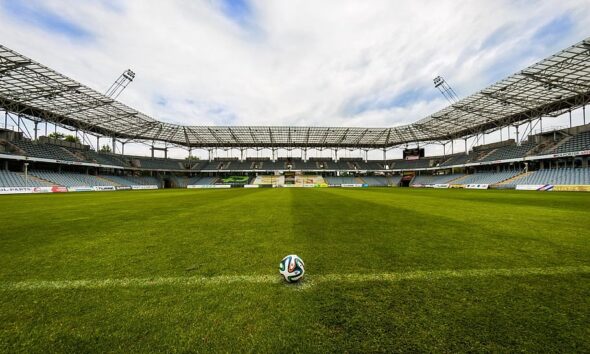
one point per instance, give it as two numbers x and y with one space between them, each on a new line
348 63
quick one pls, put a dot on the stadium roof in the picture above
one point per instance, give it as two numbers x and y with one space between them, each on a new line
548 88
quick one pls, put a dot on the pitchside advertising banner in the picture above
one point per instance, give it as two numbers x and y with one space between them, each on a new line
80 189
145 187
534 187
477 186
103 188
207 186
28 190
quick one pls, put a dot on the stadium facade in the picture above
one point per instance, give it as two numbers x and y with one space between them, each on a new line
552 87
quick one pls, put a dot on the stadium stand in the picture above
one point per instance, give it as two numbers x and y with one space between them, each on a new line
67 179
17 179
409 164
309 165
158 163
269 180
578 142
202 180
336 181
376 181
509 152
132 180
486 177
457 159
435 179
107 159
568 176
309 180
46 151
395 180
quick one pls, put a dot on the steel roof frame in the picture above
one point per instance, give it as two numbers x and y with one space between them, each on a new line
550 87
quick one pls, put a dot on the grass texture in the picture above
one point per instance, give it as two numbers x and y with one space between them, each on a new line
387 270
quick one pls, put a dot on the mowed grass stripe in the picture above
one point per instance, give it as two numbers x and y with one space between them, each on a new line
270 279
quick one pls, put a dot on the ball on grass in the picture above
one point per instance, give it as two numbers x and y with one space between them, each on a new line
292 268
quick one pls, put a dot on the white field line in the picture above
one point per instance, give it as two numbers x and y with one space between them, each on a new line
269 279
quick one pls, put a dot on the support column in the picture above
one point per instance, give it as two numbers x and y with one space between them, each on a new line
210 154
384 155
97 143
335 154
540 124
466 148
122 148
242 155
5 119
115 146
165 152
570 112
36 129
584 113
45 128
517 138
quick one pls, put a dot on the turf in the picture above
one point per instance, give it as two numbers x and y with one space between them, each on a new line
197 271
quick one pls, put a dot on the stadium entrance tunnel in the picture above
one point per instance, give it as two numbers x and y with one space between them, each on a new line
406 180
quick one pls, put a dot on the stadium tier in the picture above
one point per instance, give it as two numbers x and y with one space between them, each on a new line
436 179
17 179
486 177
560 176
67 179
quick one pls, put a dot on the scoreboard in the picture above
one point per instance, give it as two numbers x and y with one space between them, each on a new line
413 154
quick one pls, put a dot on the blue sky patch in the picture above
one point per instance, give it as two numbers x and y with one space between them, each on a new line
403 99
238 11
554 30
36 15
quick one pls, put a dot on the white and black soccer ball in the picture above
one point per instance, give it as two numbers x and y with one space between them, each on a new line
292 268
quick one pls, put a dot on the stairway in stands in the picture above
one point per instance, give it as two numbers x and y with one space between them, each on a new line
510 180
108 181
482 155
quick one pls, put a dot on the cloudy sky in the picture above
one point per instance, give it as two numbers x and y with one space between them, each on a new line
240 62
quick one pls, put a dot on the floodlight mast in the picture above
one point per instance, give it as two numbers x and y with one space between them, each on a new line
120 84
446 89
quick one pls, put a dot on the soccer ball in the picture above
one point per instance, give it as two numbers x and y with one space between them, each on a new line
291 267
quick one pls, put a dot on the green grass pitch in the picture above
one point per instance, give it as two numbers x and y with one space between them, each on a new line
392 270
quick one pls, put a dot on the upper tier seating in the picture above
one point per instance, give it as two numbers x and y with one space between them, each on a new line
510 152
577 142
457 159
45 151
159 164
409 164
107 159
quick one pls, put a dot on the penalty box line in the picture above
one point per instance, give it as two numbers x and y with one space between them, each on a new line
270 279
